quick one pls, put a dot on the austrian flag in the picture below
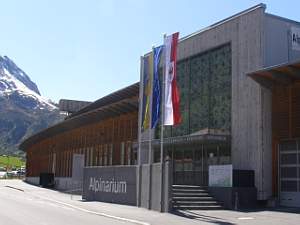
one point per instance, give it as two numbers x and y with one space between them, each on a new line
171 99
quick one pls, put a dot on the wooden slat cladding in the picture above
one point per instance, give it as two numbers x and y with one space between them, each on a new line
295 107
286 111
285 120
95 140
280 112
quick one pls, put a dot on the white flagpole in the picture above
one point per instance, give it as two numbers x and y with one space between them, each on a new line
150 160
150 109
140 132
162 133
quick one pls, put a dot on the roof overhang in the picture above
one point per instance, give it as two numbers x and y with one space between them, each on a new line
282 74
120 102
193 139
205 136
125 93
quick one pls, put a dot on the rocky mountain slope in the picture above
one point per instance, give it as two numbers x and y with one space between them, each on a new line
23 111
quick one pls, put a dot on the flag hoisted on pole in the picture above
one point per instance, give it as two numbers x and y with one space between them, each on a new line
148 74
156 86
170 113
171 94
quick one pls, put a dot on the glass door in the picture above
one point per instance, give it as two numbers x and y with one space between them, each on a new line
188 170
289 173
187 166
178 166
198 165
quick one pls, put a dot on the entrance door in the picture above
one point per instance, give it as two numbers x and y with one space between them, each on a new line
183 166
188 167
289 173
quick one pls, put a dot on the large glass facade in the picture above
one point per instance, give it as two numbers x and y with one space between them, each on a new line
204 82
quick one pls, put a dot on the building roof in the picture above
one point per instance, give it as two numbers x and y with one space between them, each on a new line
115 104
127 92
223 21
283 74
71 106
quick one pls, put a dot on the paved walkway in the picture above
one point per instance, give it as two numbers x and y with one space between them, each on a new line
142 216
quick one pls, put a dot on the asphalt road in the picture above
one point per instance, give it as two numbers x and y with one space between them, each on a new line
24 204
24 208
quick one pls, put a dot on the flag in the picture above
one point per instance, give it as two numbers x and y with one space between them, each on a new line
156 86
148 74
171 98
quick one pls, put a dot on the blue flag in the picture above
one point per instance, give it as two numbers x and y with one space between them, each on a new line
156 86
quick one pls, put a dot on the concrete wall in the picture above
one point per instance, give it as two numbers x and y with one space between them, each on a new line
152 200
72 184
61 183
235 197
77 167
144 196
33 180
67 184
278 40
276 50
114 184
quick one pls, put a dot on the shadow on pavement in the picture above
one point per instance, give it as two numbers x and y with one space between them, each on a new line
201 217
276 209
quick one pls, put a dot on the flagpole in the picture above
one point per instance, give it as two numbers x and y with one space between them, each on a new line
162 135
140 132
151 78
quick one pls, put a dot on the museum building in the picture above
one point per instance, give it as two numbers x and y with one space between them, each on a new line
102 132
238 82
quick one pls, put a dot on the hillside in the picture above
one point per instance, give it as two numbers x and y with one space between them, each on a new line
23 111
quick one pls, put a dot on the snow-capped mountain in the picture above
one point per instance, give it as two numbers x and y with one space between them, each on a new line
16 84
23 111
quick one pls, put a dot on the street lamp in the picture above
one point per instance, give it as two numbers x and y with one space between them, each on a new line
7 162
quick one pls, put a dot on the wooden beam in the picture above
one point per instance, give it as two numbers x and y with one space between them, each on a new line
263 81
281 77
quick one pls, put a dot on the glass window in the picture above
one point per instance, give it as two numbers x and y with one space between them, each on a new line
220 88
122 153
288 146
199 93
129 154
289 172
204 83
91 156
183 84
87 155
288 158
105 155
110 154
289 186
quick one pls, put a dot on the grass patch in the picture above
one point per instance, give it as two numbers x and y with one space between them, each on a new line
11 161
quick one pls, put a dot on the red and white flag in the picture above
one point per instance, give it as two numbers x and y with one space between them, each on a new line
171 101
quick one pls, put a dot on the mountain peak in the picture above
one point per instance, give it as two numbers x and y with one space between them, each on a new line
23 111
16 85
13 69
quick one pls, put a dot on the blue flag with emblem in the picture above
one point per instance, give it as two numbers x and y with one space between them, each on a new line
156 86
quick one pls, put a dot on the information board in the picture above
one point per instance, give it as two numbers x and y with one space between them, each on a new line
220 176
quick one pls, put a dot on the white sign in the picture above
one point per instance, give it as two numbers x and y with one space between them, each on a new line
295 35
220 176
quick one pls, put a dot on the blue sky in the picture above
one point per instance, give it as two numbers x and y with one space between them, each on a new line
85 49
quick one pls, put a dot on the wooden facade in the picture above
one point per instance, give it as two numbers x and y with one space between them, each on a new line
103 134
285 120
284 83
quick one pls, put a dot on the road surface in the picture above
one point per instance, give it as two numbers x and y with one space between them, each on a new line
18 207
24 204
